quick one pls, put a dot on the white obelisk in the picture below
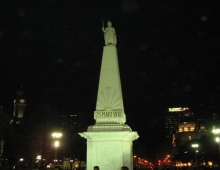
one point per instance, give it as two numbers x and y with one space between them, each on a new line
109 141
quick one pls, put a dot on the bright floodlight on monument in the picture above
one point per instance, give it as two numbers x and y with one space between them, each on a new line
56 136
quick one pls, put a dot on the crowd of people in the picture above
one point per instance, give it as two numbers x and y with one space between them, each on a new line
122 168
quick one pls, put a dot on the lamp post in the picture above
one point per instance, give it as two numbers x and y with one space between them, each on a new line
134 161
56 136
71 163
195 146
217 139
56 145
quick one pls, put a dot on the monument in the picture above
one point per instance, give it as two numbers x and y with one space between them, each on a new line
110 140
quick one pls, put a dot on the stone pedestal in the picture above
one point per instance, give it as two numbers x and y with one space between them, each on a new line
110 150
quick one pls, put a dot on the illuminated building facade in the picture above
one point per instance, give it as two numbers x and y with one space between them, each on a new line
188 131
173 117
181 126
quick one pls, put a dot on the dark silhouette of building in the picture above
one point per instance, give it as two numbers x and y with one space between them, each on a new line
14 143
71 125
20 104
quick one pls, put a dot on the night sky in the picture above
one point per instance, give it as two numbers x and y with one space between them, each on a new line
168 54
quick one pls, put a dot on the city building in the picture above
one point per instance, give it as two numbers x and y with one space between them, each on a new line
173 117
13 144
214 111
19 107
72 124
72 144
188 131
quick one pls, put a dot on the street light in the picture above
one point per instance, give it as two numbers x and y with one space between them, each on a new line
217 139
56 136
195 146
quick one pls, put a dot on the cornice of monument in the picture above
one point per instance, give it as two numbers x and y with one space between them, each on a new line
124 135
108 127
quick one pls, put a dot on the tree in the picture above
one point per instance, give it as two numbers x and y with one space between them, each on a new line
6 131
41 123
208 150
4 124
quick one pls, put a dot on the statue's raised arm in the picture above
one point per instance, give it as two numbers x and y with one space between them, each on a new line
109 34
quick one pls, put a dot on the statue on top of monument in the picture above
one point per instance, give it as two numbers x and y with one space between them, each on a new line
109 34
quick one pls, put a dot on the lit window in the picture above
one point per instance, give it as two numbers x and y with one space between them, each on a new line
188 128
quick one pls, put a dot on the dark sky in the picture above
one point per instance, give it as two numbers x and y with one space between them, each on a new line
168 53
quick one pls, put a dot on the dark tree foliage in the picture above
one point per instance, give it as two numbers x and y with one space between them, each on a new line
4 124
207 150
42 123
33 137
7 132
